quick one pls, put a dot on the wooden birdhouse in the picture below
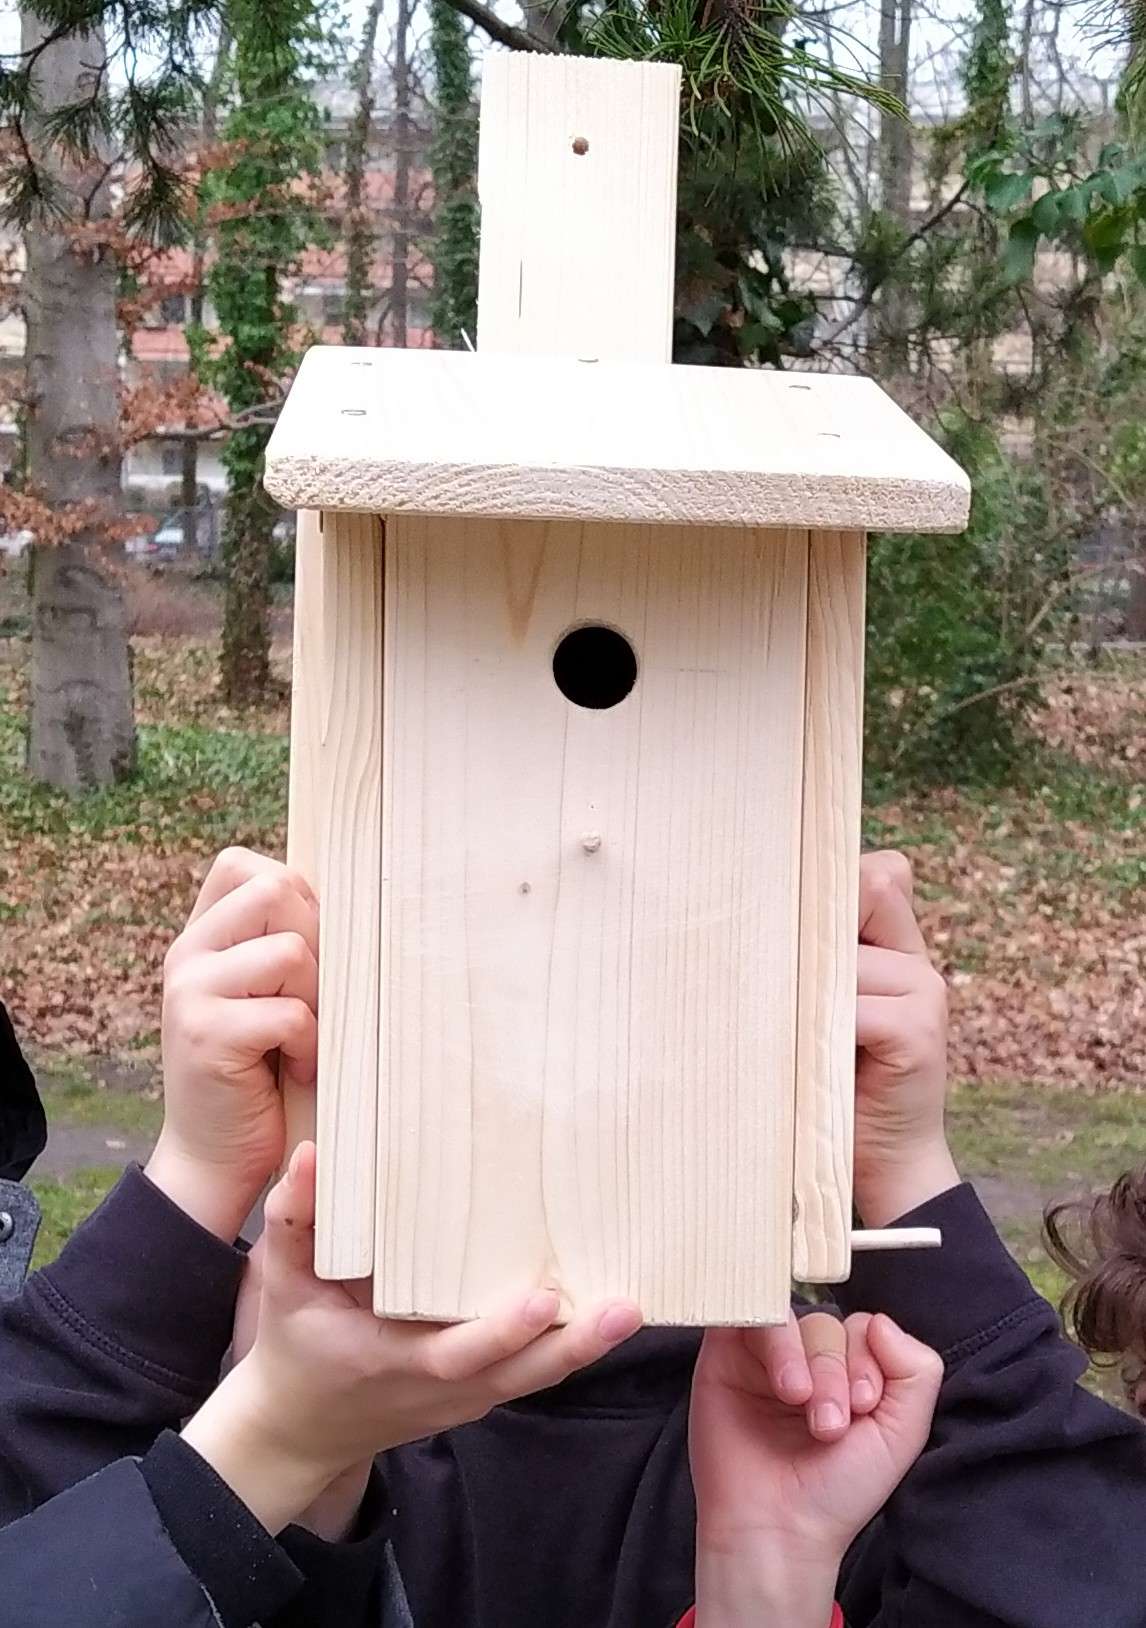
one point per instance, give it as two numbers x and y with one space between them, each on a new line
576 756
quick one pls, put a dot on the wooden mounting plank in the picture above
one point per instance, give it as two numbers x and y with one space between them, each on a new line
346 801
590 922
577 162
833 776
514 437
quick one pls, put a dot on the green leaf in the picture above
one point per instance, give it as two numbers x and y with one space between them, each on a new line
1019 254
1074 205
1005 191
1047 211
1116 186
1137 259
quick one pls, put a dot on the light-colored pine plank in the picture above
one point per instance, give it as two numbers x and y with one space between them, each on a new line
347 801
590 922
302 797
833 776
438 433
549 211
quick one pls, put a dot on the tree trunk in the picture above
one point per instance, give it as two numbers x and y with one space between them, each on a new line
895 166
82 730
1136 605
359 237
248 525
208 130
403 134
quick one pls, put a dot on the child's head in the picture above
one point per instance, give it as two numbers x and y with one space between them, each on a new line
1101 1244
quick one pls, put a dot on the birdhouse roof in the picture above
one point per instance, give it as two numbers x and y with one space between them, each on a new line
522 437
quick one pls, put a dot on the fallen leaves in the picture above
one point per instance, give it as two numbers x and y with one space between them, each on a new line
1034 903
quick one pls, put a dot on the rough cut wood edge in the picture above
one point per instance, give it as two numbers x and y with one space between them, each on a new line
348 805
657 497
577 246
829 908
302 797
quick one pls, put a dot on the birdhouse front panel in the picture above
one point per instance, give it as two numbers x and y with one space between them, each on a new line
591 805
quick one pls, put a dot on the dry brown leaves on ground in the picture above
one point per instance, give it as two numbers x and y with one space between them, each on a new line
1034 903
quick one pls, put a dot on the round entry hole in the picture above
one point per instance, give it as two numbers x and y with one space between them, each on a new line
595 667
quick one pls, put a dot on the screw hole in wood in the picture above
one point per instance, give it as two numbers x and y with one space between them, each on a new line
595 666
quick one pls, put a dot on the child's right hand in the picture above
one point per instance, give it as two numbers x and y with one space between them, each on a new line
327 1384
240 990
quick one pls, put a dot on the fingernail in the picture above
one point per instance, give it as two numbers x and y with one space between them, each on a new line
792 1379
863 1393
827 1417
292 1168
541 1308
618 1323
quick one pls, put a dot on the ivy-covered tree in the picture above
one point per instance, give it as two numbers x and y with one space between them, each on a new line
453 166
264 220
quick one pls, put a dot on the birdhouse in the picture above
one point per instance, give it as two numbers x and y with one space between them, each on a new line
576 756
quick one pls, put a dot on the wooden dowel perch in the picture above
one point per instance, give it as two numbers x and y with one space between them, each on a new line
898 1238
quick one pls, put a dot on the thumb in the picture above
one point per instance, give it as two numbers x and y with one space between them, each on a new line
289 1214
913 1373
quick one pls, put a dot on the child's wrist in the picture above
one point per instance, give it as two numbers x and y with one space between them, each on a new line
888 1189
219 1199
768 1582
236 1432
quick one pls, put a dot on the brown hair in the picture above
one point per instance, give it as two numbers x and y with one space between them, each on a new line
1100 1243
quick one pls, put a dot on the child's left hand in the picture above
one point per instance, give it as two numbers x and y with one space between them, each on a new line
778 1508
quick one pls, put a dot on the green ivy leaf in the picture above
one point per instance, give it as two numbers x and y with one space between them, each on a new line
1047 211
1006 190
1019 254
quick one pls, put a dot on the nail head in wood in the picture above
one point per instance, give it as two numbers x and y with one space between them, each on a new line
580 146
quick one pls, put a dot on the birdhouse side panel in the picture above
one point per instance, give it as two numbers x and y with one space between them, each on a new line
591 872
833 789
348 701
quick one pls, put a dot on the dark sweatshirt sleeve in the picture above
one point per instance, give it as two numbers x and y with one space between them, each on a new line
1022 1507
101 1555
121 1338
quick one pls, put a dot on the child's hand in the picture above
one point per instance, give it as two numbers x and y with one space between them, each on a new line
240 993
777 1508
327 1384
901 1153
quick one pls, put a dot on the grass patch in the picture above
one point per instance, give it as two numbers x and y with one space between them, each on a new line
189 781
1054 1142
72 1097
65 1204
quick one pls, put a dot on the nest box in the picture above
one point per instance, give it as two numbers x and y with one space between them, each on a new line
576 756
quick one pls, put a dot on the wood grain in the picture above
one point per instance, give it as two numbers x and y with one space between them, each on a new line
347 801
590 921
577 246
302 798
829 910
437 433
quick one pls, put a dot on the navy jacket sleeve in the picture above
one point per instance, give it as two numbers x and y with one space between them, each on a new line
121 1338
100 1554
119 1341
1025 1505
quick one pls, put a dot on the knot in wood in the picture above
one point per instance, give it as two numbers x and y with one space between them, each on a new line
591 841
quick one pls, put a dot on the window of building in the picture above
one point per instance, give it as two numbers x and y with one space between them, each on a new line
173 310
333 307
171 458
